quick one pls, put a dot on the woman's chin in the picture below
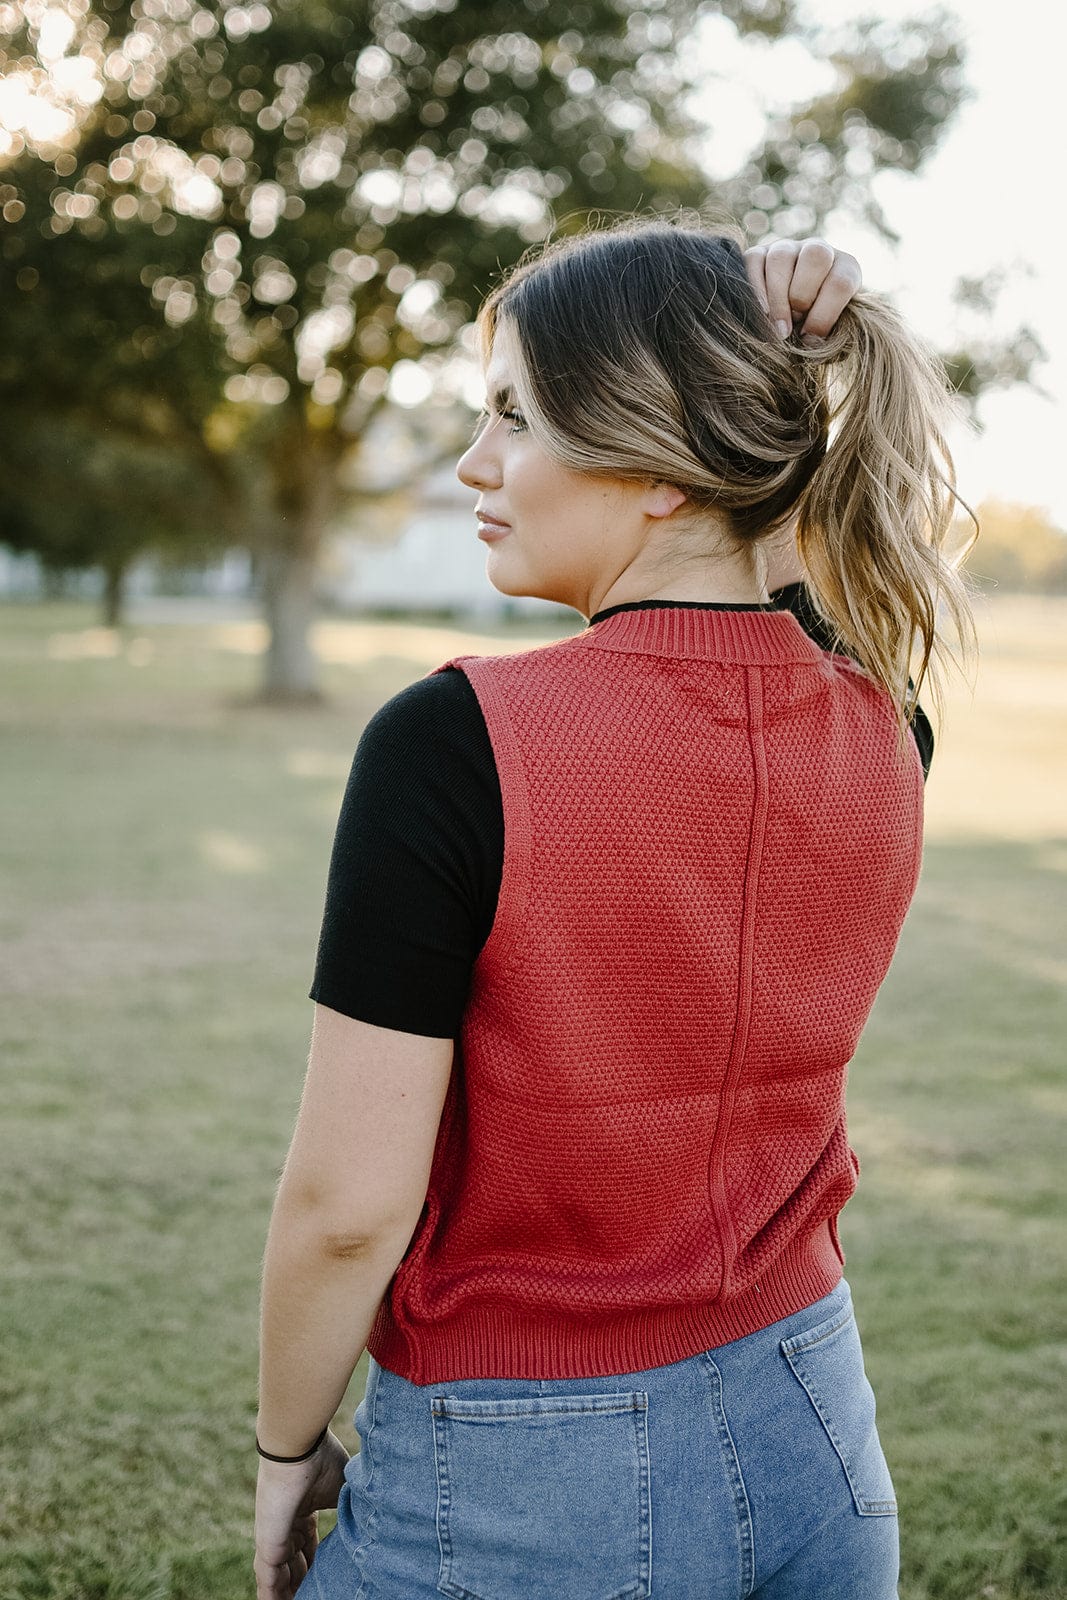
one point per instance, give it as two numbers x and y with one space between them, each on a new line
502 574
515 591
509 578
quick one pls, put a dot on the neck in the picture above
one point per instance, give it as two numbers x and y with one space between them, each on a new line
686 594
746 577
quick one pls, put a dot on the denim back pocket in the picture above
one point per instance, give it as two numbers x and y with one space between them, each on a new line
543 1496
827 1359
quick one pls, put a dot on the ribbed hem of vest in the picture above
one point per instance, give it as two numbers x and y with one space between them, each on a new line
748 636
490 1341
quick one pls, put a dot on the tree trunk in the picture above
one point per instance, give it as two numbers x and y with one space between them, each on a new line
288 591
53 582
114 593
299 482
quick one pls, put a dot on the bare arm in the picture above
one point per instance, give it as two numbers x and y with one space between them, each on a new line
347 1206
348 1203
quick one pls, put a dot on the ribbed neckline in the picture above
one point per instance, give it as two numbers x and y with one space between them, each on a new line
754 633
695 605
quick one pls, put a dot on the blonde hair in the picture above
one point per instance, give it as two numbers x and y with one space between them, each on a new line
642 352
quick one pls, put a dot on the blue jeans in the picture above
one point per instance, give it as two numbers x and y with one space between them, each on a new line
753 1468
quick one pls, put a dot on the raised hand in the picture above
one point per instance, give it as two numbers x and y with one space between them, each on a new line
803 278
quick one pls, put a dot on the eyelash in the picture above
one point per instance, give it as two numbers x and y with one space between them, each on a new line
518 421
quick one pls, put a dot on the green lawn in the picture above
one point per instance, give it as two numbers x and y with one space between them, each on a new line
164 856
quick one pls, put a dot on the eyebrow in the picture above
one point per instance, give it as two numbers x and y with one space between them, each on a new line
502 397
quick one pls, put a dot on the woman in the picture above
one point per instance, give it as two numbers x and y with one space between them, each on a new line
604 922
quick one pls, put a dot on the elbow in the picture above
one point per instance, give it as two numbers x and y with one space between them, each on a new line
341 1232
350 1244
364 1244
332 1229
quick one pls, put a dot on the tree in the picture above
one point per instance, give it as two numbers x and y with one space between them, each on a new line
259 212
79 497
1019 549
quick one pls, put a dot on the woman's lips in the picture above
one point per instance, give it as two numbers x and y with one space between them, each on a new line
489 528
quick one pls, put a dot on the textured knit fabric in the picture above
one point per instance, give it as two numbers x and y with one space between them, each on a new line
418 851
711 843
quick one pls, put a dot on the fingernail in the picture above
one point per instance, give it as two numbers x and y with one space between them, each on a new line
812 340
784 329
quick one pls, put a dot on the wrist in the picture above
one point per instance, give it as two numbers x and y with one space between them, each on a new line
293 1459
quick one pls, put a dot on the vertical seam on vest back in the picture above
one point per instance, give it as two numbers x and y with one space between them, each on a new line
720 1209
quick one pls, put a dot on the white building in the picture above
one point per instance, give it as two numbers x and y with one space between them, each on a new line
437 562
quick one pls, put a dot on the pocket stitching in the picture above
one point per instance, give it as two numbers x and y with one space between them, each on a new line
447 1405
820 1331
444 1407
802 1344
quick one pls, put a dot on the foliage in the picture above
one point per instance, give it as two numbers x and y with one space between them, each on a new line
246 224
80 494
1019 548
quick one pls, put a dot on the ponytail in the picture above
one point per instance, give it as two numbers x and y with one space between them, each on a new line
643 352
874 517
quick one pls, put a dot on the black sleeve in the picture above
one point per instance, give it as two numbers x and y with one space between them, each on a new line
795 598
417 857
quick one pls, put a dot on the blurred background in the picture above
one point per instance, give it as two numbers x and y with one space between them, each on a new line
241 249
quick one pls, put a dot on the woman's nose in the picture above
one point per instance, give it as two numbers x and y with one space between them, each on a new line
478 466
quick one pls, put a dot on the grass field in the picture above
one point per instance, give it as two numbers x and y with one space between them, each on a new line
164 855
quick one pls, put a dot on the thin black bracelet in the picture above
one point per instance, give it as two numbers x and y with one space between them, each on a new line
305 1457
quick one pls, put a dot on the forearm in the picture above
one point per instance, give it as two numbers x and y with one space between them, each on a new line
318 1305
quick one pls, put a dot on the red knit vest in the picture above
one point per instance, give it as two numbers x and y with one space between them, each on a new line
710 846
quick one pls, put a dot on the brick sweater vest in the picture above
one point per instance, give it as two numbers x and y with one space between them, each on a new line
711 845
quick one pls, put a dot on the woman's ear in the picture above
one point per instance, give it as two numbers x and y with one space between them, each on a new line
661 499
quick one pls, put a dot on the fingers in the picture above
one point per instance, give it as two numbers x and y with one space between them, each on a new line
306 1534
279 1579
806 279
824 298
298 1571
272 1582
754 259
795 273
